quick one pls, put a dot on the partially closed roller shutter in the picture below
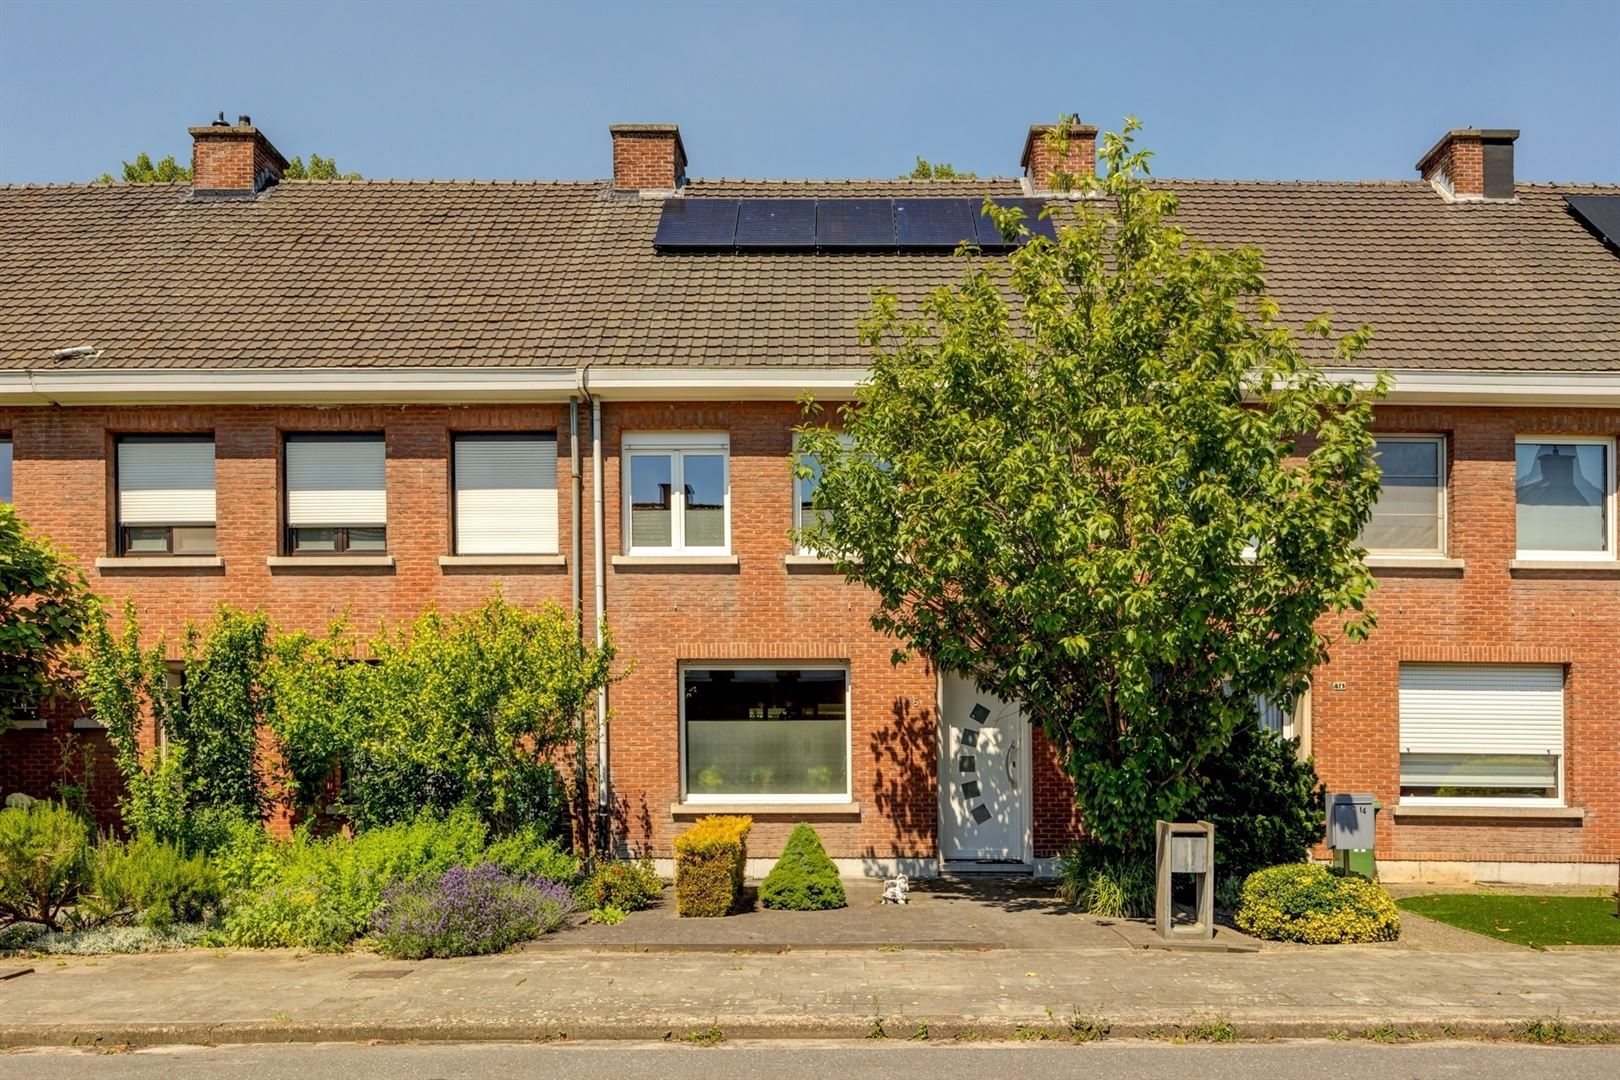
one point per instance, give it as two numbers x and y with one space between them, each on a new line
335 482
166 481
1482 708
506 495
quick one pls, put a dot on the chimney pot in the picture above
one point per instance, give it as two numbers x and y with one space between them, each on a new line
244 120
1472 163
233 160
220 121
647 157
1041 161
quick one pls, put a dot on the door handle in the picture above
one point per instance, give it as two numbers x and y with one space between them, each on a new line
1012 752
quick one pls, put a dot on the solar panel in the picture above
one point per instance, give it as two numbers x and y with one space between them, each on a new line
854 223
990 238
935 223
776 223
697 224
1601 214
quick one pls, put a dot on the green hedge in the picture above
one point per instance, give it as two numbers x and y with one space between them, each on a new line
804 878
1312 904
709 862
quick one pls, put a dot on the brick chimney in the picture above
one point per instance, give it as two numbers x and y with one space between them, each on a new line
1471 163
647 157
233 159
1041 161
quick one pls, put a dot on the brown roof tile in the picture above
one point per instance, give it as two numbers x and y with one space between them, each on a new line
400 273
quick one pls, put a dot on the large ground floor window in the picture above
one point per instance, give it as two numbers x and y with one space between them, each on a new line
764 734
1487 734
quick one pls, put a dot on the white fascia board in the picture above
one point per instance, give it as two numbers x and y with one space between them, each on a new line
1591 389
304 386
1575 389
721 383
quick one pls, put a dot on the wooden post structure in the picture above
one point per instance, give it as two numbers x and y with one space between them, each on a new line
1185 847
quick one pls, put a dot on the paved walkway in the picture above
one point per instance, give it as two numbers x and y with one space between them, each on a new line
203 996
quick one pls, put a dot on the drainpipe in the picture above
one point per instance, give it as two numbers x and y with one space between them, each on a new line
578 486
603 783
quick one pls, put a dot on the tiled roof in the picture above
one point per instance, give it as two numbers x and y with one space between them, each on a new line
393 273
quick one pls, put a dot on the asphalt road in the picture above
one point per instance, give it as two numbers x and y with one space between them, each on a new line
808 1060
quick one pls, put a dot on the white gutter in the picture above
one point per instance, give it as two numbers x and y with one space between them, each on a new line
321 386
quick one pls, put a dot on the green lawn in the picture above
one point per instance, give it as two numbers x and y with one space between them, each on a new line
1537 921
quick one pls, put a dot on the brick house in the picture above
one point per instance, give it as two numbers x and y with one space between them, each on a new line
319 397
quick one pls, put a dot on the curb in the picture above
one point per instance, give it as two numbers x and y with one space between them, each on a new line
1189 1028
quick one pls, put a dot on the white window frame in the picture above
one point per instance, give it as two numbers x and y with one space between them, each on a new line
1488 801
1539 555
832 799
798 508
1442 495
675 445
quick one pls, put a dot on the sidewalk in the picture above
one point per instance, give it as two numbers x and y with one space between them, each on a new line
556 990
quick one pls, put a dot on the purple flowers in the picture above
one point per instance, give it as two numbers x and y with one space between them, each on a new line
467 911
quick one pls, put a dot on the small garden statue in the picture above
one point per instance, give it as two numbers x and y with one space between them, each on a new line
896 889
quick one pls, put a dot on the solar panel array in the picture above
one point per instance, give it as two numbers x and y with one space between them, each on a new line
1601 214
839 224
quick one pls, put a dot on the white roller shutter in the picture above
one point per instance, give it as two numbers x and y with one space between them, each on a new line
506 496
335 482
1482 709
166 482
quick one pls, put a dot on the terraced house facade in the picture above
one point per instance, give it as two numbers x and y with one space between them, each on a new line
369 397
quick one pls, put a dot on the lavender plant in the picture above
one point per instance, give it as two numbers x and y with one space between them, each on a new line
467 911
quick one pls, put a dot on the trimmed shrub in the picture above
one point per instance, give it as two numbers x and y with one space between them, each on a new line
709 862
1102 882
625 884
1312 904
149 883
44 861
467 912
804 878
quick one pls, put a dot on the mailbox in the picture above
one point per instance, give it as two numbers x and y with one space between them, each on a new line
1350 821
1185 847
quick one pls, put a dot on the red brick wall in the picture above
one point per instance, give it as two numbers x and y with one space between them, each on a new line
1462 162
230 160
648 160
1079 160
759 610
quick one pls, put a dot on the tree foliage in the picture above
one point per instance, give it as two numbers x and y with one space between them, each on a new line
936 170
44 606
1105 480
143 170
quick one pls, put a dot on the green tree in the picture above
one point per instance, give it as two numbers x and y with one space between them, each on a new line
44 606
319 168
144 171
941 170
1105 480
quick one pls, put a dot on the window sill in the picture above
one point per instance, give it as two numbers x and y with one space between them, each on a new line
636 562
468 562
1564 566
1510 813
28 725
807 564
798 811
87 723
330 562
159 563
1414 562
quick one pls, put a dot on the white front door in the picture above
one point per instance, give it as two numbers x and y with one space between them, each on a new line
983 775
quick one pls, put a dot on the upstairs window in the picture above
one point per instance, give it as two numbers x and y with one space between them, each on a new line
1410 515
165 495
505 494
337 500
1565 493
677 493
804 492
5 468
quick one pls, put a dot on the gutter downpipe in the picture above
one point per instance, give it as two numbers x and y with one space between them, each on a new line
582 770
604 802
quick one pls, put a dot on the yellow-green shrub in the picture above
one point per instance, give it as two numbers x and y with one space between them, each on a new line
709 862
1312 904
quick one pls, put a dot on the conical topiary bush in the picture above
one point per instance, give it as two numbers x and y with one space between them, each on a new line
803 879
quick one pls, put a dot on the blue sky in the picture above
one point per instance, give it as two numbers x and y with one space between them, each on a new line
504 90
